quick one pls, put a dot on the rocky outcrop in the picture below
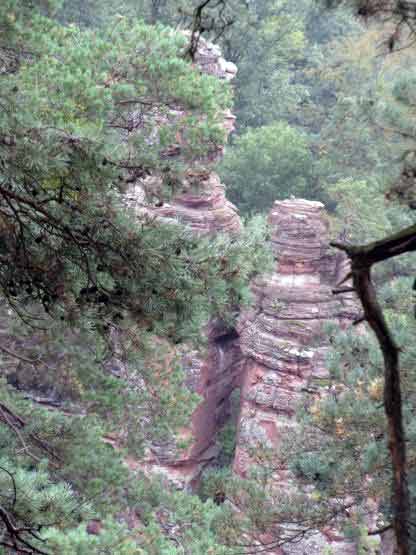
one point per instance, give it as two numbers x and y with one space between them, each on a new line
213 375
200 200
284 343
279 349
207 211
201 204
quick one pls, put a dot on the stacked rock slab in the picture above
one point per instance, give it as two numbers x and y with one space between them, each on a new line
214 373
207 210
284 343
201 203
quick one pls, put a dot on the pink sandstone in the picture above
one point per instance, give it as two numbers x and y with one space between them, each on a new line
214 373
200 201
282 347
283 340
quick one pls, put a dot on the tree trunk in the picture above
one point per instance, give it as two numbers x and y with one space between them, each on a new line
362 258
392 406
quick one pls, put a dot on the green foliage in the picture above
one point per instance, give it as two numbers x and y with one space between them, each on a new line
266 44
86 112
88 108
213 483
33 494
267 164
283 52
113 538
362 131
227 435
227 442
192 521
77 452
67 154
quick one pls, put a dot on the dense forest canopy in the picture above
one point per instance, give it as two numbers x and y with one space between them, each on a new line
99 299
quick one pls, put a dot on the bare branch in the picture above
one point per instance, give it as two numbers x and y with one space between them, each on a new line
18 357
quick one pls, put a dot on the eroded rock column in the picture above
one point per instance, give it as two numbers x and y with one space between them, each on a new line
200 200
214 373
284 342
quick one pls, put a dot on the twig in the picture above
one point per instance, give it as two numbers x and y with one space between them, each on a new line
19 357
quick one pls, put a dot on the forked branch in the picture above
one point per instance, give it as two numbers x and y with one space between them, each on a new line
362 259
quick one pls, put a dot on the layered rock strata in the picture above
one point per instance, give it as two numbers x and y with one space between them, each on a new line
283 340
200 201
207 211
215 372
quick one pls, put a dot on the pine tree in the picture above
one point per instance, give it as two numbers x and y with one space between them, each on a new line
88 283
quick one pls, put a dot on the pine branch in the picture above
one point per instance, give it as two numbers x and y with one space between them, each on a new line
15 533
379 531
17 424
18 357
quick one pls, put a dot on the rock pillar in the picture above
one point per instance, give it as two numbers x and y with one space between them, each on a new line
283 339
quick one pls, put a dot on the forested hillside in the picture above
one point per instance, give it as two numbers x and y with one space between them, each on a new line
206 329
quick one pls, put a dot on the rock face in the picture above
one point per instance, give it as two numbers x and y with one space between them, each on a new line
214 373
200 202
205 212
279 348
283 340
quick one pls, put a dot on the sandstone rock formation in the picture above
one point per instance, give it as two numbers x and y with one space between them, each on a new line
207 211
213 374
283 339
279 348
200 201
